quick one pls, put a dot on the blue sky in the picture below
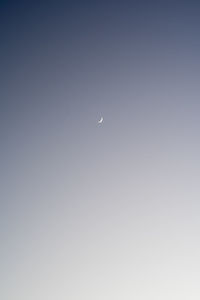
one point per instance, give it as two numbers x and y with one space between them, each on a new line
99 212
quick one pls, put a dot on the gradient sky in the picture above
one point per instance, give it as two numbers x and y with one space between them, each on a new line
110 211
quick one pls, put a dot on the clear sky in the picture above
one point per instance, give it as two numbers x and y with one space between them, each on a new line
109 211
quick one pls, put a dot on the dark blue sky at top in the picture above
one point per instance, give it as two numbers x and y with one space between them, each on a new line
25 15
35 32
24 24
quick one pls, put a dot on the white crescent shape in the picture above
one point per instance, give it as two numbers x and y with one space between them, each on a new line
100 121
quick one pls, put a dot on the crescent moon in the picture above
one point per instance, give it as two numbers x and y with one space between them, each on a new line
100 121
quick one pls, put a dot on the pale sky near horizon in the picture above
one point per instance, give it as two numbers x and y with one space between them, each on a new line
107 212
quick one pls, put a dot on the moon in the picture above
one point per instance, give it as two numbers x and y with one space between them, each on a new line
100 121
